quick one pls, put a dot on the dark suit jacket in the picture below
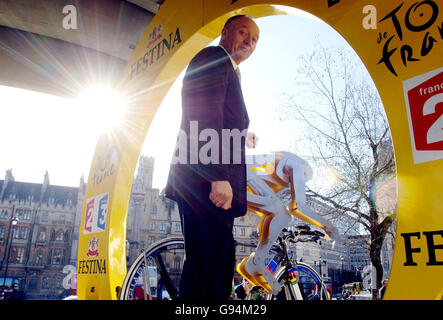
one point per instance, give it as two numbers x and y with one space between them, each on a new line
212 99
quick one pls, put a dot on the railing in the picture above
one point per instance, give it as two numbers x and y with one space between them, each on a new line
62 223
35 265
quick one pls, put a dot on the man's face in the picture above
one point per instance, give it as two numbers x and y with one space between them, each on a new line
241 38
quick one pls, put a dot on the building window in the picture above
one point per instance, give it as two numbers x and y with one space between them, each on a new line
20 233
23 215
178 227
16 232
26 215
57 256
59 281
4 214
2 232
39 257
60 236
46 282
152 226
42 235
45 217
243 231
24 233
33 283
17 255
163 227
151 240
153 209
234 231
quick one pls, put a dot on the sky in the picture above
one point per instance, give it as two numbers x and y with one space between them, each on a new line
40 132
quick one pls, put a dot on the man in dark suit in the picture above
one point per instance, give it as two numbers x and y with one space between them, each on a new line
208 173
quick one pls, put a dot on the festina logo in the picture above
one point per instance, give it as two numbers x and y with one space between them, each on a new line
155 52
92 266
154 36
93 248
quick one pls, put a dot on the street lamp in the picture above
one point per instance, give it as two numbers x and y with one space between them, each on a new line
341 273
12 223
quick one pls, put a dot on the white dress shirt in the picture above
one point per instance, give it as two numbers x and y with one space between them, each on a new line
234 64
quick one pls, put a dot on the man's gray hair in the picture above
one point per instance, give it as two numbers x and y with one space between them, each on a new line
233 18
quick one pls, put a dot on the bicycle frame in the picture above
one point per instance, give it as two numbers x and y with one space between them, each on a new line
290 281
290 269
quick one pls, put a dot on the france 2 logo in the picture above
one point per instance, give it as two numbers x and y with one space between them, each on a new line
96 214
424 105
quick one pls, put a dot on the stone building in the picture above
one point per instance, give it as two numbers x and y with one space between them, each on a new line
40 244
45 240
151 216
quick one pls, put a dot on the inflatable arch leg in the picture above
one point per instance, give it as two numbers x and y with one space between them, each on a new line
402 52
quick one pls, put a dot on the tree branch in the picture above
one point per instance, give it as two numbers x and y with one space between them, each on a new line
342 208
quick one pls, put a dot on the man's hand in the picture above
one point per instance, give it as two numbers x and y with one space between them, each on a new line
251 140
221 194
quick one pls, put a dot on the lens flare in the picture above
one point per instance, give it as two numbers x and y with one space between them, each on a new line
104 107
384 193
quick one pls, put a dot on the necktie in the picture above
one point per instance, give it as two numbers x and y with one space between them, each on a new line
237 71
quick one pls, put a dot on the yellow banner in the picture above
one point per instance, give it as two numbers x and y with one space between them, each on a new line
401 44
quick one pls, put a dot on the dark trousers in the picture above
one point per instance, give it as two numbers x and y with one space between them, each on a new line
210 252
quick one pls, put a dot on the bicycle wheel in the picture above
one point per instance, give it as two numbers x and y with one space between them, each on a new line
160 281
301 282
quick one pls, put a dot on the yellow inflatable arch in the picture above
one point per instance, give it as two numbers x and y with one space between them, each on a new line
401 44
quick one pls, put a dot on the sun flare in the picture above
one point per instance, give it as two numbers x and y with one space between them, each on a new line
104 106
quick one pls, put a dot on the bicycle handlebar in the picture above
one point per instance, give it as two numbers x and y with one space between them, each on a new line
292 236
304 230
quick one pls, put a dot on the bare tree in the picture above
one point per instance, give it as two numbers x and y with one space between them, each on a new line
342 125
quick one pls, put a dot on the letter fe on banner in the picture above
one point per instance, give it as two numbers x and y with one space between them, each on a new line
402 51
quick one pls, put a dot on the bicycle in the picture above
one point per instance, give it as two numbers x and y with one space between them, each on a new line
299 281
162 282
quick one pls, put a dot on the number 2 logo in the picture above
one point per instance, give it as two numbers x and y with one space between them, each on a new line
435 132
89 215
